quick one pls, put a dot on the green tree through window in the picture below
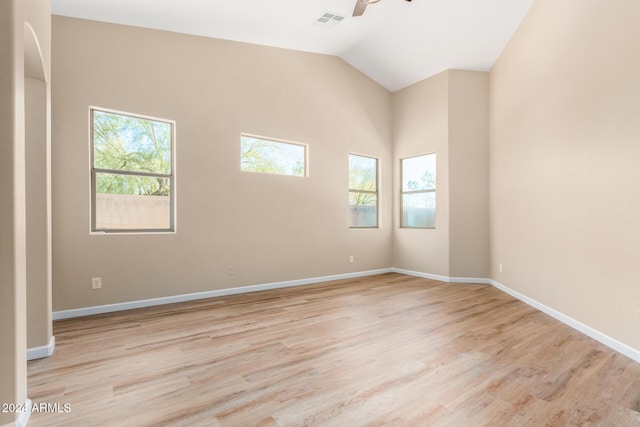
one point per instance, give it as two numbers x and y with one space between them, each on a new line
132 156
418 192
269 156
363 191
125 143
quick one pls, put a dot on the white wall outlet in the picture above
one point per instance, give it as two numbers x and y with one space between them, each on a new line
351 259
96 283
231 270
500 268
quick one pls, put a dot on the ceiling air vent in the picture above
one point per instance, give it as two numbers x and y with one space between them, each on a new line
328 20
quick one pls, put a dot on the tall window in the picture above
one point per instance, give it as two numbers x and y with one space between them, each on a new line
258 154
132 177
363 192
419 192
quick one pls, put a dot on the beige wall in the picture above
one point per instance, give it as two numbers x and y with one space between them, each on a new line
39 325
38 171
13 217
271 228
469 174
448 115
421 126
13 387
564 162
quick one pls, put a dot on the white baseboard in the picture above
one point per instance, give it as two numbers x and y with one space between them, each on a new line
587 330
472 280
42 351
612 343
108 308
23 419
446 279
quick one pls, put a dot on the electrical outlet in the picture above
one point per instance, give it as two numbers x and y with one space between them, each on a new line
96 283
351 259
500 268
231 270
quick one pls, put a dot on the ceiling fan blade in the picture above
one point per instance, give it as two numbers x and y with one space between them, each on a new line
359 9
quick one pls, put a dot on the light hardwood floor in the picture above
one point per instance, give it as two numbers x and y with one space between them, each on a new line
383 350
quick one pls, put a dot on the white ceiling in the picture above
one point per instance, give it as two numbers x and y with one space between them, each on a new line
395 42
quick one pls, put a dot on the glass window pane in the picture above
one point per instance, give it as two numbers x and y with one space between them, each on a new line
125 202
419 173
363 173
130 143
260 155
363 210
419 210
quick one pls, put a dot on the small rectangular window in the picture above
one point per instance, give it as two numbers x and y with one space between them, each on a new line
363 192
132 177
418 192
259 154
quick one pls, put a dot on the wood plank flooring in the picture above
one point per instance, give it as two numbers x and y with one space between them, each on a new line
389 350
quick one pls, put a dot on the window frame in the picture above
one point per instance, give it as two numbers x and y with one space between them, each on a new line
403 192
376 193
95 171
305 173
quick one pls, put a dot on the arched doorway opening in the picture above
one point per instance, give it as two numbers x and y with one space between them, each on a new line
40 339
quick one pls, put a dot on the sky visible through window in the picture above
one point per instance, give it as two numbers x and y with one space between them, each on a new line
418 173
130 143
266 156
418 191
132 173
363 191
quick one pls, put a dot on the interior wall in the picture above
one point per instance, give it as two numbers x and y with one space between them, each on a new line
14 66
37 115
270 228
421 126
564 162
468 174
39 325
13 386
37 14
446 114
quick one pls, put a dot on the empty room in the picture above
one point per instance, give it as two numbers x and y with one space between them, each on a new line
319 213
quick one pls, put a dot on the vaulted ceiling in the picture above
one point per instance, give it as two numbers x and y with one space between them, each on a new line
396 43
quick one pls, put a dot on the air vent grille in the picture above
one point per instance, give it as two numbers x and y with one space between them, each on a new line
329 20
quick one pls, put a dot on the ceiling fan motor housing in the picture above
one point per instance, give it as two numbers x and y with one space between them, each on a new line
361 5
